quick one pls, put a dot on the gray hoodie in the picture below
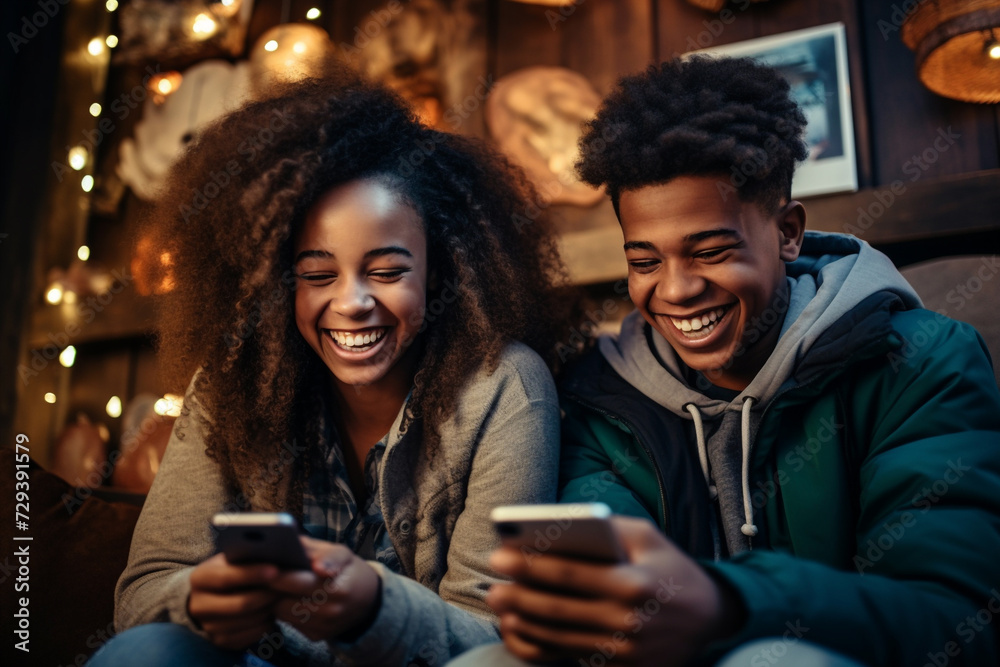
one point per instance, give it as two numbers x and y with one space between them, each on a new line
833 274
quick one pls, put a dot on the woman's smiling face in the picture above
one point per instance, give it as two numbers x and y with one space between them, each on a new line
360 261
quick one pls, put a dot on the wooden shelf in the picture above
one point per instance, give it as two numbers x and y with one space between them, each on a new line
114 316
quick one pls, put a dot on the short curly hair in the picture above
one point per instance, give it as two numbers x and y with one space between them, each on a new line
697 116
228 220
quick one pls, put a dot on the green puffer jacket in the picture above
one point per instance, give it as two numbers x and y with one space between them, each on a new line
875 479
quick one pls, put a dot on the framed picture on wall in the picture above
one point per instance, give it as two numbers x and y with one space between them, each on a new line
814 61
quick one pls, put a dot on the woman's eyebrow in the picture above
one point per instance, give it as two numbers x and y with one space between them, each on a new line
306 254
375 252
388 250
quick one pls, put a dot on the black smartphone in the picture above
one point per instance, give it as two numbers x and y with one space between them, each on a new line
260 537
573 530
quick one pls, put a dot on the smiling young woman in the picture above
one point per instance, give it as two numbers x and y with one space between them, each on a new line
367 332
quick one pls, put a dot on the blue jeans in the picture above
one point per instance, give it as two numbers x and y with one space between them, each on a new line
170 645
778 652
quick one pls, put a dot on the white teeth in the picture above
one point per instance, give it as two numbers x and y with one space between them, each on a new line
357 341
706 322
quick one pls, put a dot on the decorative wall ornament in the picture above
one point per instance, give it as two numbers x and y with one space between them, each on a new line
178 33
206 92
287 53
427 51
536 116
957 45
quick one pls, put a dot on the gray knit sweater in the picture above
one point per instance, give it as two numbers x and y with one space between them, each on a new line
500 447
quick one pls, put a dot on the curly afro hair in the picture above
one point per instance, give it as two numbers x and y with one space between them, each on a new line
731 117
228 220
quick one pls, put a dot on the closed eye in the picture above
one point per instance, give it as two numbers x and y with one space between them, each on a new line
715 252
389 275
318 279
643 265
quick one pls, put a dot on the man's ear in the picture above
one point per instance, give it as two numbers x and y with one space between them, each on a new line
792 227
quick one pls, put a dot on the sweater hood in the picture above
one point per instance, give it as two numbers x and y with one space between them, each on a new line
833 274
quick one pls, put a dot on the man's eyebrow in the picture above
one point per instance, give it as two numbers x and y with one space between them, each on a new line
711 233
639 245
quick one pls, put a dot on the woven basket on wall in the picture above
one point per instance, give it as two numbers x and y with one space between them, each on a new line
949 38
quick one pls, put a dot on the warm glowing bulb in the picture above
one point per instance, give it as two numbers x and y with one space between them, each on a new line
95 109
77 157
169 406
271 46
299 47
312 14
203 25
54 295
50 397
95 47
111 41
67 356
87 183
111 5
114 407
994 51
83 252
164 86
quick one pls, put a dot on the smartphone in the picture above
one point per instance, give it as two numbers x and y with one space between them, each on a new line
573 530
260 537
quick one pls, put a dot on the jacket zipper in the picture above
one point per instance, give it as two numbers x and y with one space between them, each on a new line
645 448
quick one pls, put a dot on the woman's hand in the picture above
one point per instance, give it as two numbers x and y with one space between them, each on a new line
341 595
658 608
232 603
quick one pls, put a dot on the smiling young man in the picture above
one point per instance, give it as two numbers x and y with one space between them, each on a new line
777 413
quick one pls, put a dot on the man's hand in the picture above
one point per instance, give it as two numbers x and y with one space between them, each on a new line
341 594
658 608
232 603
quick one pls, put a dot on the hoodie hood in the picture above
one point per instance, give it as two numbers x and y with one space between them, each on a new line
834 273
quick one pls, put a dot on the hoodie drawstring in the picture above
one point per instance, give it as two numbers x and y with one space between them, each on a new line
748 529
699 432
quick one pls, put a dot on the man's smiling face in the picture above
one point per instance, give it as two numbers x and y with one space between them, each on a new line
703 268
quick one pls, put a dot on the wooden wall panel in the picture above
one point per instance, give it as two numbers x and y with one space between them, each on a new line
600 40
682 27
